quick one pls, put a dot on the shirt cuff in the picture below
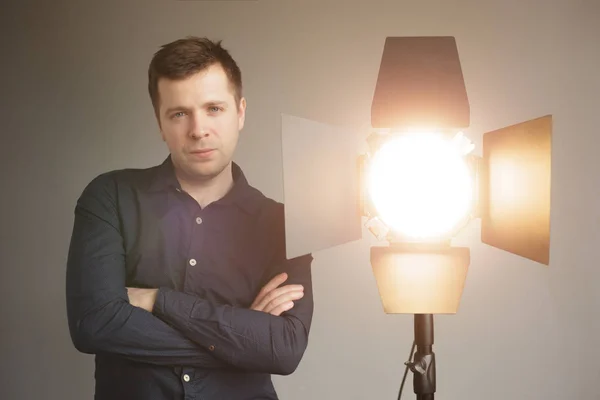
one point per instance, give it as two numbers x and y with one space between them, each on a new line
167 303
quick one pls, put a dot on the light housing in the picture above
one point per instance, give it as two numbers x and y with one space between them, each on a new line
420 85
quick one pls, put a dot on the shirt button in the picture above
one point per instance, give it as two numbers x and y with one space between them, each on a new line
198 220
211 347
186 377
192 262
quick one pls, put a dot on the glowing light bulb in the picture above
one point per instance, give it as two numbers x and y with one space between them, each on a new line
420 184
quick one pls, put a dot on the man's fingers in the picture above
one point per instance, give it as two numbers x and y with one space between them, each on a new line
282 308
270 286
273 294
275 282
283 299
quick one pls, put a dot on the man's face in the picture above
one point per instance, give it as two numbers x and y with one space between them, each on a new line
200 122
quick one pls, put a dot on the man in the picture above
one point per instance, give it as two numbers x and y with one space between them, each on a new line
175 273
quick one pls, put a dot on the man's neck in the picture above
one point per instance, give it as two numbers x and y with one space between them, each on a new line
210 190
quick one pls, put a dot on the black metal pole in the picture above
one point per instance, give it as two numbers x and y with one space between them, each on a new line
423 365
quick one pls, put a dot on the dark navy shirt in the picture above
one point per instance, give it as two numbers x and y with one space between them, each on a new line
138 228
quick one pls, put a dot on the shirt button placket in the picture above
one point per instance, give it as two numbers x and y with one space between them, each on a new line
192 261
188 388
198 222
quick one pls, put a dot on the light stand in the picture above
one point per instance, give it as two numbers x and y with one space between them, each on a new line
423 366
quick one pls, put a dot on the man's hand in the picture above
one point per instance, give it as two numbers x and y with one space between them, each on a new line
275 300
142 298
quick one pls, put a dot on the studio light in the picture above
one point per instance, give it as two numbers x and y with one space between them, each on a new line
417 186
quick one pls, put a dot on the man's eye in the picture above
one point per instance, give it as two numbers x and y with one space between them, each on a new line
214 109
178 114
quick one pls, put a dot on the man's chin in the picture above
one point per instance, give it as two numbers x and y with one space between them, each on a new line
205 172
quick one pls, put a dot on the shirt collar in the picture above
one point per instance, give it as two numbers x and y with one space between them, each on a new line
241 194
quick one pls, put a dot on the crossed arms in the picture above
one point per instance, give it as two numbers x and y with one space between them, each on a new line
166 327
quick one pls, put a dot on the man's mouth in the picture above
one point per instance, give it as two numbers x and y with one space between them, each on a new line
202 153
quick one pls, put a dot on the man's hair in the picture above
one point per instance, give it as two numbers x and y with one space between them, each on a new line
185 57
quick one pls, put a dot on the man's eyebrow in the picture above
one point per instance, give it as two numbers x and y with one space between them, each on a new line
215 103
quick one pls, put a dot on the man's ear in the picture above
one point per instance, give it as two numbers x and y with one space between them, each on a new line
242 113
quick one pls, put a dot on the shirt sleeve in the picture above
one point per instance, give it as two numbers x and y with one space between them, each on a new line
100 317
244 338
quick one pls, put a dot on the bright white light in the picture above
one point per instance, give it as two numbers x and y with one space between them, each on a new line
420 184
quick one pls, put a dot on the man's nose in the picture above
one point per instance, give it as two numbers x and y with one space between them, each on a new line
199 127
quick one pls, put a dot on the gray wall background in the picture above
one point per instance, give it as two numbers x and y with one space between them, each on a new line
74 104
